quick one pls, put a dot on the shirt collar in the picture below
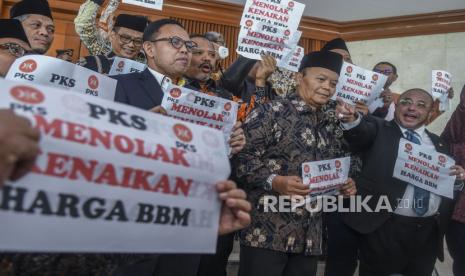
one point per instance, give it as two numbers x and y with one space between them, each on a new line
162 80
419 131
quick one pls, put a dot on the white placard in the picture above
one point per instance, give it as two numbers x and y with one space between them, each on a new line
268 27
111 178
125 66
200 108
293 60
58 73
358 84
151 4
325 177
425 168
441 83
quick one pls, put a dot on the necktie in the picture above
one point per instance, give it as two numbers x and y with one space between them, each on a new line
420 196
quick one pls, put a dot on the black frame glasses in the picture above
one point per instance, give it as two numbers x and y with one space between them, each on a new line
125 39
178 42
14 49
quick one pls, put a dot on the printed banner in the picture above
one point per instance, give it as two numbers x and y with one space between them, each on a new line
357 84
425 168
151 4
292 61
441 83
62 74
269 27
325 177
126 66
201 109
111 178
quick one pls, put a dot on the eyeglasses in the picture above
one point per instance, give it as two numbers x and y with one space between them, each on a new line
384 72
125 39
409 102
178 42
14 49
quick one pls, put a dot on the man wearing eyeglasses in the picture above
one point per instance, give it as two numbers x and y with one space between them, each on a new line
36 18
126 41
408 240
13 43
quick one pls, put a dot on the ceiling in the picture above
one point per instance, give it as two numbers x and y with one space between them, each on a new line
350 10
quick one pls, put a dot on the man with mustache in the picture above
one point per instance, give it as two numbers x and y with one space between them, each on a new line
408 240
126 41
36 18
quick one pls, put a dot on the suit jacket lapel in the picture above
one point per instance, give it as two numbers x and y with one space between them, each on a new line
152 87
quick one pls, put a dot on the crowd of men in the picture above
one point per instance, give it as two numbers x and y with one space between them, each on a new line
275 133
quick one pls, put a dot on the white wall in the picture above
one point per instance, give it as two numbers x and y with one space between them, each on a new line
414 58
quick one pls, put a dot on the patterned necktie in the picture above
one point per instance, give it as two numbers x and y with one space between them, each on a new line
420 196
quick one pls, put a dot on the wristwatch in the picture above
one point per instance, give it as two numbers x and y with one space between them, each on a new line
269 182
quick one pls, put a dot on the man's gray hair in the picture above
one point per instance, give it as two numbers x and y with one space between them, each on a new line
21 18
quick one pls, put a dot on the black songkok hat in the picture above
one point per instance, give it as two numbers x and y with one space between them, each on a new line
31 7
12 28
329 60
337 43
133 22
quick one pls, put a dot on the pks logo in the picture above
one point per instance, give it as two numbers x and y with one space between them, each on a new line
227 106
183 133
287 32
306 168
175 92
291 4
375 77
337 163
121 64
349 69
28 66
27 94
249 23
439 74
93 82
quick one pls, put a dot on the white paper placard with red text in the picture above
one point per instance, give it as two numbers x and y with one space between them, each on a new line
293 60
200 108
441 83
125 66
151 4
358 84
111 178
325 177
423 167
58 73
269 27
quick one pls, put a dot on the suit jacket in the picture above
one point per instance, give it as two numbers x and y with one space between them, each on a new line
378 142
139 89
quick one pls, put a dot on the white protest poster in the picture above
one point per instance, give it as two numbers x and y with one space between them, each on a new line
111 178
269 27
425 168
125 66
151 4
200 108
293 60
325 177
62 74
358 84
441 83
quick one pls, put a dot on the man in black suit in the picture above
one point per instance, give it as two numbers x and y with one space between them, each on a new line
409 239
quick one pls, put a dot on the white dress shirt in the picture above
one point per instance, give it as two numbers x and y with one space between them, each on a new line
162 80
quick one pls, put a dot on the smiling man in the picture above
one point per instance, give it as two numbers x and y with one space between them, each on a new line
126 41
36 18
408 240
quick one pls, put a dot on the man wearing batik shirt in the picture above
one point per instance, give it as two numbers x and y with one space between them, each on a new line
282 135
454 134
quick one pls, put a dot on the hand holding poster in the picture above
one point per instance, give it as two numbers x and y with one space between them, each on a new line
268 27
58 73
201 109
359 85
111 178
125 66
325 177
151 4
425 168
293 60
